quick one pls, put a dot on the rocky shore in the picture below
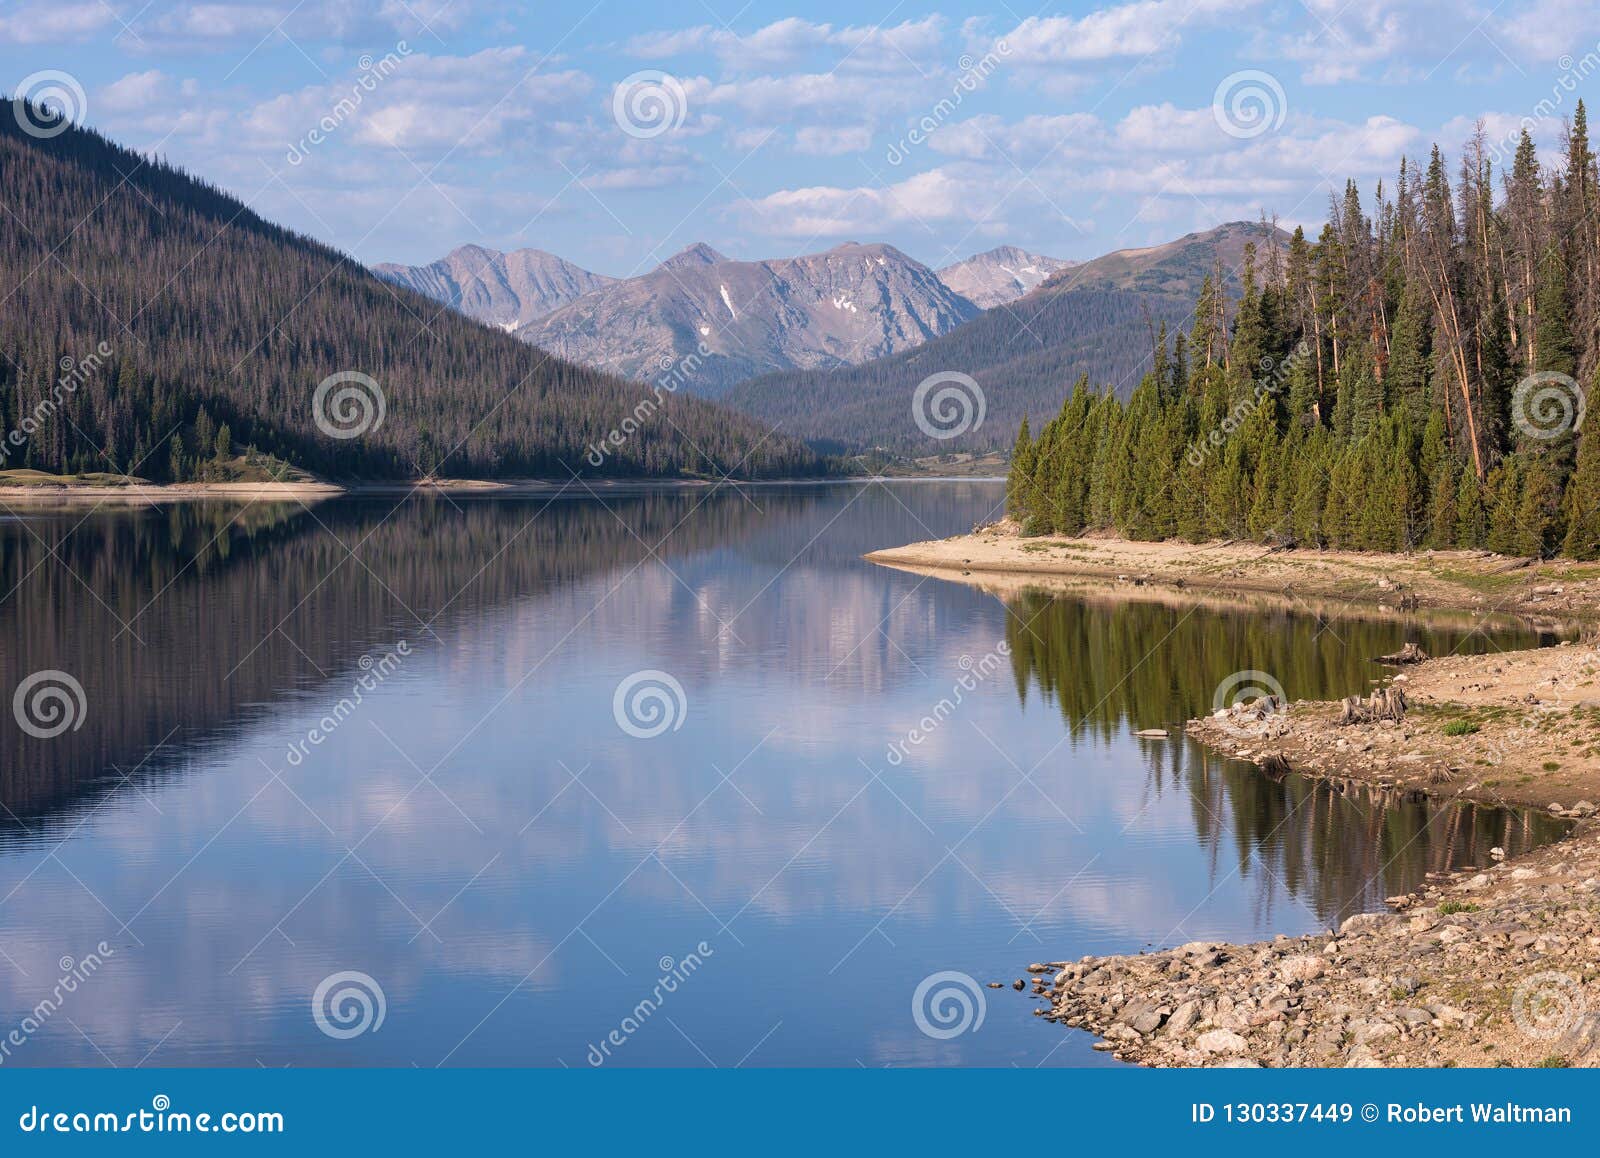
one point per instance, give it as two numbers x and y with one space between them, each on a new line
1496 965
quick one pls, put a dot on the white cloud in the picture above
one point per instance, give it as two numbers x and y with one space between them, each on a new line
629 177
1549 28
490 101
421 16
989 137
220 21
1410 41
1127 30
823 211
1158 163
782 98
150 108
790 42
54 23
832 140
213 25
1338 45
138 91
1165 127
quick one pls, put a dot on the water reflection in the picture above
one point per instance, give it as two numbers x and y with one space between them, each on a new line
189 618
1115 665
480 836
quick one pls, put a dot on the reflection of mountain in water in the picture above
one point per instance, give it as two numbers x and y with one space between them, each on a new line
185 620
1337 847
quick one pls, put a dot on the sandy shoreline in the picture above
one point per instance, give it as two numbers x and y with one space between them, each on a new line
1476 581
54 492
1498 964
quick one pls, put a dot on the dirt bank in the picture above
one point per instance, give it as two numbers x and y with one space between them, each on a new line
1464 580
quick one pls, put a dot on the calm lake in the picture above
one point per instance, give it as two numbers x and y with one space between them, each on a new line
659 778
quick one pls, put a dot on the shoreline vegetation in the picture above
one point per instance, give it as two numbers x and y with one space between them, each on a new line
1496 964
1419 375
28 486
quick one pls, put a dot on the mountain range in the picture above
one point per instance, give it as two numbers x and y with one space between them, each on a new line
1097 319
508 290
716 321
1000 275
739 319
774 336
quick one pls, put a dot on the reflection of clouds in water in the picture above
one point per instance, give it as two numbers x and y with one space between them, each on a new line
827 626
1127 906
141 993
811 855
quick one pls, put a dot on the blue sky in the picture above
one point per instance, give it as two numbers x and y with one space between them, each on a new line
615 132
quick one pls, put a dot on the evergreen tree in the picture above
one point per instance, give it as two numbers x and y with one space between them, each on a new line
1020 479
1582 498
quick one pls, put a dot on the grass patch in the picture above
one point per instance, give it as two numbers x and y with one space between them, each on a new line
1552 1063
1460 728
1450 908
37 478
1478 581
1552 765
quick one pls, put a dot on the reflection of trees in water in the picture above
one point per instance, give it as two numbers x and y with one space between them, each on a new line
1336 846
238 610
1146 663
232 610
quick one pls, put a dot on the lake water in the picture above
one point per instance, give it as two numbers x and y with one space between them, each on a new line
379 747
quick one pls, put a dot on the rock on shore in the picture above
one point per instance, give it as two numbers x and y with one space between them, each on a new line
1488 968
1498 965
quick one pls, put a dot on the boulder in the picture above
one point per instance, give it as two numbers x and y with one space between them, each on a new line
1221 1041
1580 1045
1300 967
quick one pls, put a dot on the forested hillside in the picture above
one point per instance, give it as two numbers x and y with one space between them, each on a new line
1096 319
1410 379
1019 354
153 325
